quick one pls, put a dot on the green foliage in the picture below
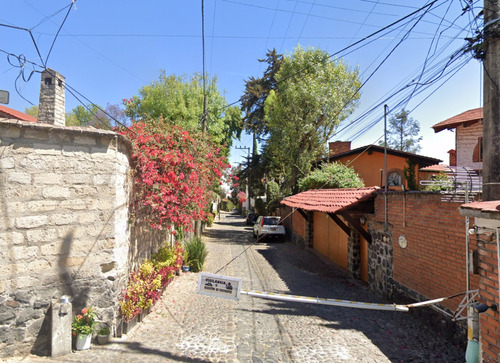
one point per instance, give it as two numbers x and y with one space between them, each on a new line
313 95
256 92
260 207
402 133
195 254
210 219
144 285
32 111
442 183
85 322
178 100
334 175
273 196
91 115
227 205
103 330
410 175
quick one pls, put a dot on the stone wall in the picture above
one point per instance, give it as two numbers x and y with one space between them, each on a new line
380 263
63 228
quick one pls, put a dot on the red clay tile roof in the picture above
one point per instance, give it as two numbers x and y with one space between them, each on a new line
468 117
17 115
329 200
436 168
488 206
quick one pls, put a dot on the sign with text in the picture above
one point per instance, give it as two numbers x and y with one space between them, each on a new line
219 286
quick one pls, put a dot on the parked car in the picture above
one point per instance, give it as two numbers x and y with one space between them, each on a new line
268 226
251 218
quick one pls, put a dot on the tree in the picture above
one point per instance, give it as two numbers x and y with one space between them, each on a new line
32 111
90 115
313 95
402 133
334 175
178 100
256 92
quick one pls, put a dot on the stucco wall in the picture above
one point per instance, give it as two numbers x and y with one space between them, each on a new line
63 227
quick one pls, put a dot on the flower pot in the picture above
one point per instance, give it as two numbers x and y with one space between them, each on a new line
103 339
83 341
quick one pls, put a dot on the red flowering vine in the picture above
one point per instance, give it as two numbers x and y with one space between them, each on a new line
174 174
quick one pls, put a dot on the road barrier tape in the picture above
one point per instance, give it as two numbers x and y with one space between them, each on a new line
345 303
324 301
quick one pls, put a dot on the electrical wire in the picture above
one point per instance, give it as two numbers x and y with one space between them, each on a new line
58 31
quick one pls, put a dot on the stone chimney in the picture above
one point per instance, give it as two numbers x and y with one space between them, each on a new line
453 157
338 147
51 107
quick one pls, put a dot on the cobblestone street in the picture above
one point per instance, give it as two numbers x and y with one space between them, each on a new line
184 326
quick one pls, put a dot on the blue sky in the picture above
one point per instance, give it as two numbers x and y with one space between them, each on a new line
107 50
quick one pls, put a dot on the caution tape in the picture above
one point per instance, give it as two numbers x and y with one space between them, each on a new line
324 301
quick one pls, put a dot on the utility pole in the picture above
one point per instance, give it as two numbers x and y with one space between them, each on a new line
491 106
248 174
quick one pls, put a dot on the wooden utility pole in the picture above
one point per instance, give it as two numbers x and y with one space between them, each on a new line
491 106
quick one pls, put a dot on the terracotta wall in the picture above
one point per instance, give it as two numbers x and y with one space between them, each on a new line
369 166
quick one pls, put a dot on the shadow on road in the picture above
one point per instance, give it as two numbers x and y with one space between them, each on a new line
399 336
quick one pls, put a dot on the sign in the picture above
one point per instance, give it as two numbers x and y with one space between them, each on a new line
219 286
4 97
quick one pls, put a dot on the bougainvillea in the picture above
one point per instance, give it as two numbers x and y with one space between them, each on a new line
175 173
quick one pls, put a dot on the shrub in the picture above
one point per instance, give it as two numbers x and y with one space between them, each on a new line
195 254
334 175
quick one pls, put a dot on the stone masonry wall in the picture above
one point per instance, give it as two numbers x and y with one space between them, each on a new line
63 227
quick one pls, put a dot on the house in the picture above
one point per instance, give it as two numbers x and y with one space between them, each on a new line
368 162
7 113
324 221
468 128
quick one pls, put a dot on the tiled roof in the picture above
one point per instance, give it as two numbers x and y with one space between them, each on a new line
469 117
16 115
488 206
437 168
422 161
329 200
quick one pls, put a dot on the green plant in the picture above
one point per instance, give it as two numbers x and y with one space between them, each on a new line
195 254
84 322
210 219
410 175
103 330
443 183
334 175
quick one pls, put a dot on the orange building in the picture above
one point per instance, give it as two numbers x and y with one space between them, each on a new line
368 162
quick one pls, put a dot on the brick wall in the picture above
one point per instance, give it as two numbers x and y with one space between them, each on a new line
467 139
63 228
488 292
433 263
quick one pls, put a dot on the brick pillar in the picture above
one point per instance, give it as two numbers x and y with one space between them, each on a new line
51 108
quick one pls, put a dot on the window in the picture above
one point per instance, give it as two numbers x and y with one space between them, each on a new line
394 178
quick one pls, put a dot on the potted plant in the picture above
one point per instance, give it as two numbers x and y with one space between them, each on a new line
103 334
83 327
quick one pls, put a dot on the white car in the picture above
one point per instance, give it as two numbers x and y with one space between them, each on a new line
268 226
